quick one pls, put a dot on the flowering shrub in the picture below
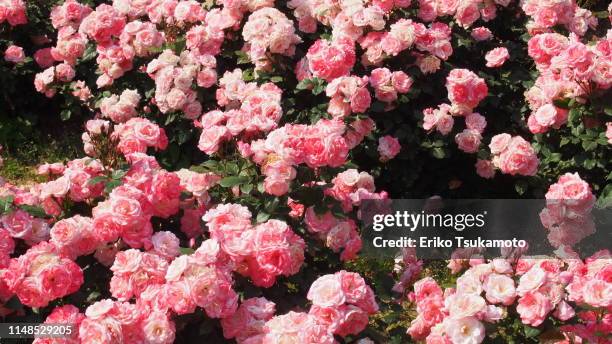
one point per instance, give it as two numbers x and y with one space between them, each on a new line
229 148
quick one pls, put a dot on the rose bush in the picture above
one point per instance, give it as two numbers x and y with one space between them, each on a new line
229 147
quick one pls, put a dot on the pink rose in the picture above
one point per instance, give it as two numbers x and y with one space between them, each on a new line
545 116
464 305
499 289
326 291
361 100
388 147
499 143
64 72
43 58
401 82
329 60
464 330
481 33
14 54
533 308
476 121
564 311
497 57
468 140
485 169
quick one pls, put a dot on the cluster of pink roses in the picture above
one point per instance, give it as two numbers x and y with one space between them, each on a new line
44 82
465 91
143 37
402 35
74 236
328 60
545 286
109 321
465 12
147 191
262 252
350 187
67 314
120 108
348 94
568 69
133 271
317 145
440 119
268 31
513 155
75 183
70 13
174 76
42 275
202 279
349 18
321 144
567 215
251 109
546 14
338 235
70 46
13 12
137 134
387 85
164 285
341 304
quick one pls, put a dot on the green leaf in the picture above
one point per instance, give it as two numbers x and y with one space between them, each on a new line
118 174
187 250
211 165
246 188
574 115
93 296
65 114
243 58
33 210
605 200
271 204
562 103
228 182
304 84
111 185
232 168
262 217
98 179
531 332
318 89
589 145
520 187
5 204
439 153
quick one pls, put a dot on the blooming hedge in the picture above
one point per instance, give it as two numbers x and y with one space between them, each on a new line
229 146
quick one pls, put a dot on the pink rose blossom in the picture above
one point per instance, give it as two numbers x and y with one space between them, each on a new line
14 54
497 57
